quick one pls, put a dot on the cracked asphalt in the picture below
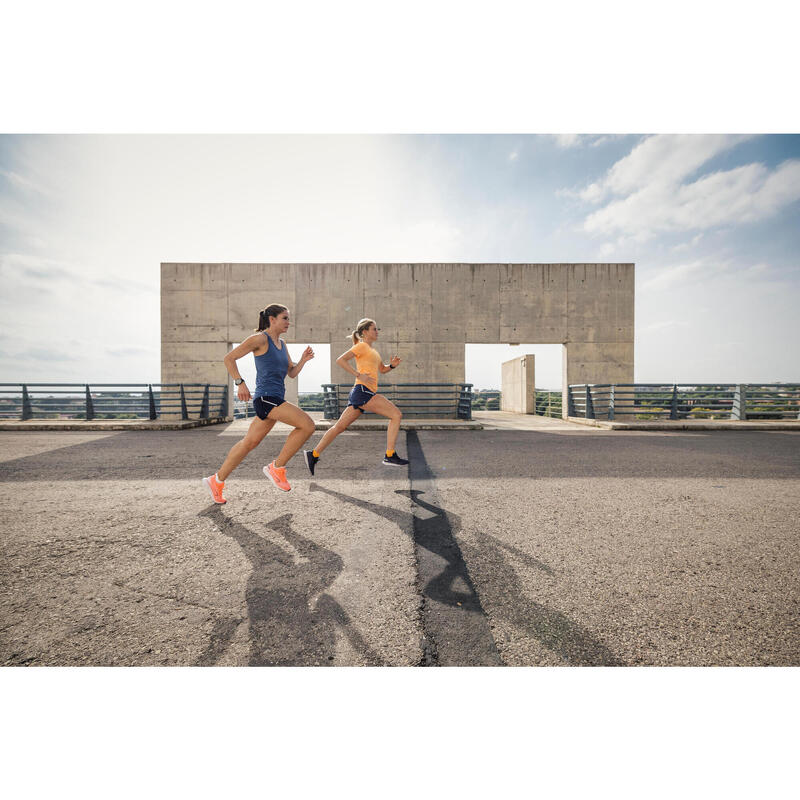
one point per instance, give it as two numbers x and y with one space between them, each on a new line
515 547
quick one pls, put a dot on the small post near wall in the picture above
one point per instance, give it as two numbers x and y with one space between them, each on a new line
518 385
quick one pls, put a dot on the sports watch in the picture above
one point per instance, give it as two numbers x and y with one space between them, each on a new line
238 381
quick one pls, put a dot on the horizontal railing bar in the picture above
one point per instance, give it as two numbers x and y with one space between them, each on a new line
419 405
110 400
680 392
417 393
119 407
120 385
392 385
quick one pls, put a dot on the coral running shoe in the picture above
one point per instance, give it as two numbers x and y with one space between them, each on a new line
215 487
278 476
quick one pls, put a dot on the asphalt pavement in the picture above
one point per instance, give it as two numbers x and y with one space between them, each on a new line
559 545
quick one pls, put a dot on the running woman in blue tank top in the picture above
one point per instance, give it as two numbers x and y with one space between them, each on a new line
273 364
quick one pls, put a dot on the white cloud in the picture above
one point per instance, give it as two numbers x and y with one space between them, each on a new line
686 245
677 274
645 193
513 156
744 194
760 270
605 139
567 139
16 266
593 193
746 276
21 182
607 248
663 160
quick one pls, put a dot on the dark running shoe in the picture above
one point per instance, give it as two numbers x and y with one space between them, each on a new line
311 460
395 461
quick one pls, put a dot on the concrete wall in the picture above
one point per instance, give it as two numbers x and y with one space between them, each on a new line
518 385
426 312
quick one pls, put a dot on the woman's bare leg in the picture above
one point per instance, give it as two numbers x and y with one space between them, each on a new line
303 428
258 429
349 415
386 408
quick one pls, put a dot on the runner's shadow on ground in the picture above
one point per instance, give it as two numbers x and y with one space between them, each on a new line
554 630
292 620
453 585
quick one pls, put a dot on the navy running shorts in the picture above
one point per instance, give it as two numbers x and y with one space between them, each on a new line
263 405
359 395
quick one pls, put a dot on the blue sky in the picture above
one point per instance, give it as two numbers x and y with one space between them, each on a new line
710 221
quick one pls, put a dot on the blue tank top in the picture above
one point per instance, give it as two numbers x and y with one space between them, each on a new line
271 369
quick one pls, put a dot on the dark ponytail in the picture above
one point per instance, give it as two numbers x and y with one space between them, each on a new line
270 311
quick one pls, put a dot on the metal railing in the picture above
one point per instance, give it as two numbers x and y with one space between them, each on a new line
685 401
547 403
311 401
450 400
30 401
486 400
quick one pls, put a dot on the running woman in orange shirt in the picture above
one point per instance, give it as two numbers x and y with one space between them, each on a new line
364 394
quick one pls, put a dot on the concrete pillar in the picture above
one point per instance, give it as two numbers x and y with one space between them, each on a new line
518 385
291 390
339 345
595 362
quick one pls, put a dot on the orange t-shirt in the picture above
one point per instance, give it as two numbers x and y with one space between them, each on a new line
368 359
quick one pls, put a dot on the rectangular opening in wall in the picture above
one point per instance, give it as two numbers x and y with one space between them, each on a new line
483 369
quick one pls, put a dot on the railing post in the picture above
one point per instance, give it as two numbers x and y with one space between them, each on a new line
331 400
739 407
184 410
89 405
27 411
570 403
204 406
153 414
611 403
589 412
464 403
673 408
325 401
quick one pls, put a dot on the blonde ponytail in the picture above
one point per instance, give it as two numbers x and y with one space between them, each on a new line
363 324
